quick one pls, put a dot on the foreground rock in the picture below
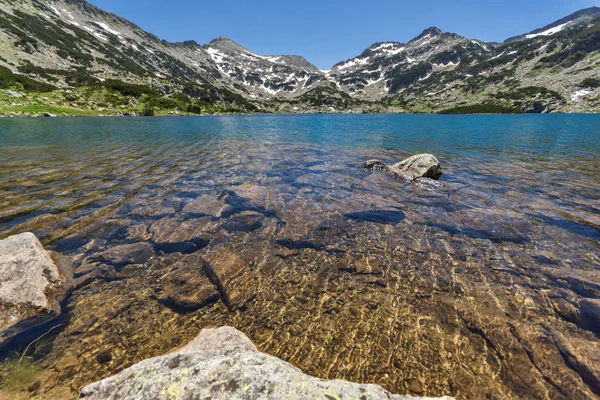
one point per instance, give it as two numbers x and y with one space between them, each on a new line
31 284
421 167
224 364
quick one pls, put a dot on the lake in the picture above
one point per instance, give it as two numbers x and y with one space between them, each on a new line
486 286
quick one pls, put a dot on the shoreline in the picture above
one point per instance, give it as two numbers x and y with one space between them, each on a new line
283 114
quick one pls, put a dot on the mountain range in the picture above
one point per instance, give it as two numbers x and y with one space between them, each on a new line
69 55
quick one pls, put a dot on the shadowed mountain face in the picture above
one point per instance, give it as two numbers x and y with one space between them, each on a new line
73 43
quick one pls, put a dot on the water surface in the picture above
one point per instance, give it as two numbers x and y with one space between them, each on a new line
487 286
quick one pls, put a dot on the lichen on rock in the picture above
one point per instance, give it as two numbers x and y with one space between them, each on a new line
224 364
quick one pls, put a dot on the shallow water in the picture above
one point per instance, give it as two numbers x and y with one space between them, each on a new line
487 286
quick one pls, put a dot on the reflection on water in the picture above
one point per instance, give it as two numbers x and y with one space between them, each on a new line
487 286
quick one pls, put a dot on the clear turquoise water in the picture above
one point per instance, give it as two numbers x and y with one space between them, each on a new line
516 225
505 137
553 157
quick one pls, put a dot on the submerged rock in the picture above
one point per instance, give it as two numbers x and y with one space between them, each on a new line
31 284
224 364
233 277
187 286
119 256
374 165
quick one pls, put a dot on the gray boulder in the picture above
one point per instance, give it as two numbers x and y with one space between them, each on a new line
422 165
31 284
224 364
419 168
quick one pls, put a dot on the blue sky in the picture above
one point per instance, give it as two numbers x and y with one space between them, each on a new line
329 31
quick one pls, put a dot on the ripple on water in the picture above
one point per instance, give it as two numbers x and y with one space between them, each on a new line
486 286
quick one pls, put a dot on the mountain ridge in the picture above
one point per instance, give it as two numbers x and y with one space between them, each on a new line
53 40
577 17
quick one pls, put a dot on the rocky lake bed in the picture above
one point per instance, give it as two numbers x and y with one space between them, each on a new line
484 284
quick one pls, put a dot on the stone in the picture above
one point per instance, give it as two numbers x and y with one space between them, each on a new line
48 115
224 364
423 169
406 176
119 256
205 205
256 195
422 165
233 278
186 286
374 165
104 357
31 284
246 221
226 341
171 230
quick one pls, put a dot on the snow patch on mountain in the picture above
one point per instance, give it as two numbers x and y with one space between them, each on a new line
389 49
216 55
425 40
354 63
580 94
107 28
448 65
100 36
550 31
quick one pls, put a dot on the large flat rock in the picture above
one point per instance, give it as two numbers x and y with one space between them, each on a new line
30 282
224 364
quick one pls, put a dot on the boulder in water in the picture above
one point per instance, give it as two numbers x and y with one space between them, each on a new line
31 284
422 165
224 364
415 168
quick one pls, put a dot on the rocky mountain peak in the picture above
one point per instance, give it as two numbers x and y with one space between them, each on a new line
221 39
192 44
47 40
223 43
432 31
